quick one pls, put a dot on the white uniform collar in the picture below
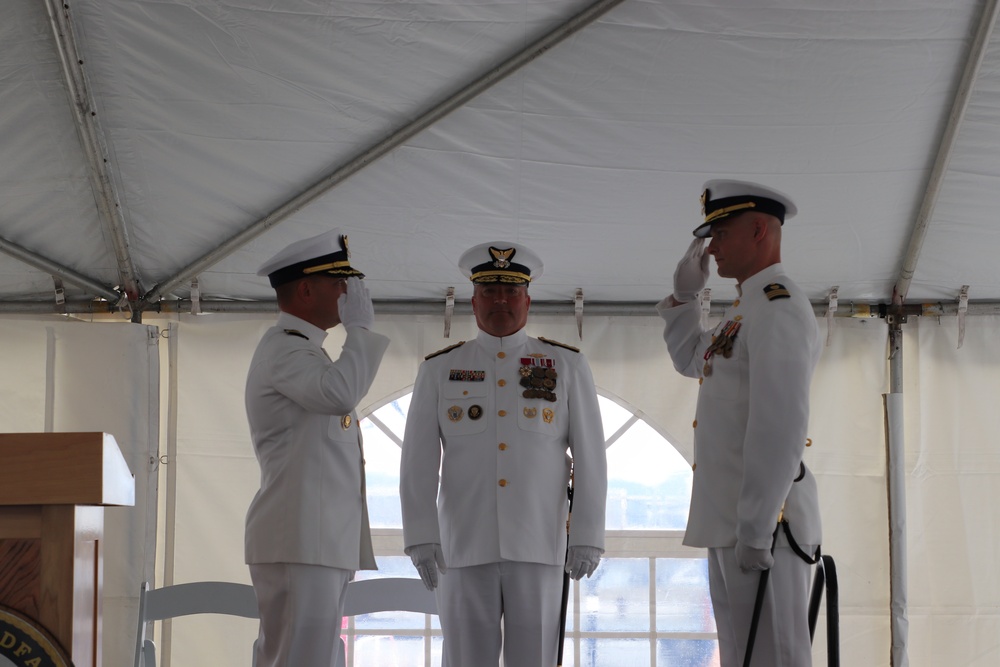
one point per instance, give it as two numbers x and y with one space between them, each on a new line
494 344
310 331
761 278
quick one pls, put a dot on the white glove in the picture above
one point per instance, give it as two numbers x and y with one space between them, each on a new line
751 560
428 559
582 560
355 306
691 274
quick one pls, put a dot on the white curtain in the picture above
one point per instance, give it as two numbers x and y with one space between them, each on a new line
953 491
66 375
83 376
217 473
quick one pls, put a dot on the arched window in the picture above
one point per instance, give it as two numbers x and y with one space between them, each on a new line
648 602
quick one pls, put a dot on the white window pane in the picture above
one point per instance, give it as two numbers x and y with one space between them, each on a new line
683 603
688 652
614 653
613 415
388 651
381 476
616 597
649 482
393 414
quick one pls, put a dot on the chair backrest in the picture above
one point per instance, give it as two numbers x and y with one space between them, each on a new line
202 597
389 594
219 597
368 596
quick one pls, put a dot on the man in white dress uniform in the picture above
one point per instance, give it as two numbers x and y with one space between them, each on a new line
307 527
755 370
484 473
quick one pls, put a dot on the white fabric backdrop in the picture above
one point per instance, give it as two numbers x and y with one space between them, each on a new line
65 375
103 377
216 468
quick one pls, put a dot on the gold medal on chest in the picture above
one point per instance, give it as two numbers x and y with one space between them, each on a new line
345 422
455 413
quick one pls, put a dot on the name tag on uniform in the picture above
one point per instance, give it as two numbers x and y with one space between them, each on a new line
456 375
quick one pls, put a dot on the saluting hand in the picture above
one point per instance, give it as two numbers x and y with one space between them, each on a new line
691 274
355 305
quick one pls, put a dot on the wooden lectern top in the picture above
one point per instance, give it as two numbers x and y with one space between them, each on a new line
63 469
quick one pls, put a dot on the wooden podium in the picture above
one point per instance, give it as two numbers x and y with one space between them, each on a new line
53 487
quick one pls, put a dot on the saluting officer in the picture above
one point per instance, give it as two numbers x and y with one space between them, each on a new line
755 370
307 527
498 416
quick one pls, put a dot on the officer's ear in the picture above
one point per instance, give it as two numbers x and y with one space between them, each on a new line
761 227
304 291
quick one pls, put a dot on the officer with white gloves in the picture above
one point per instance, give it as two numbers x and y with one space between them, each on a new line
307 527
490 432
755 368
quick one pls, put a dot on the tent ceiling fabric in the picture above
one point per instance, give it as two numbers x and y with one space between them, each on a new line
213 115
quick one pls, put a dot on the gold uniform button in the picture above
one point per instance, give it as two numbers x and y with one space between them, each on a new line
503 446
502 413
736 303
701 381
694 466
694 424
502 383
501 355
502 482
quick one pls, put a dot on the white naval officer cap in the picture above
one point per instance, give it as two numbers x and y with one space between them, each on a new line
721 199
324 253
500 262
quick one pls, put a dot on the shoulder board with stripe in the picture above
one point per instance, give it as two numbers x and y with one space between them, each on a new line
444 350
296 332
558 344
776 291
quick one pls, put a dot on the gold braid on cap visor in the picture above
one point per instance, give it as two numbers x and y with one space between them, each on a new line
326 267
722 212
501 276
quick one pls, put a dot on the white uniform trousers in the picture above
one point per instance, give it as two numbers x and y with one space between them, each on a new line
301 613
783 630
472 600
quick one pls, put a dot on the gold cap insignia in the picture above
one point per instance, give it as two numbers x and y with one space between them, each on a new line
501 258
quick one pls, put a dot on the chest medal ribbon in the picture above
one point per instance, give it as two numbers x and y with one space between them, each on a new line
539 381
722 343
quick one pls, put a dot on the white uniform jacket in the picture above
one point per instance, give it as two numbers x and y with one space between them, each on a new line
311 507
752 414
502 457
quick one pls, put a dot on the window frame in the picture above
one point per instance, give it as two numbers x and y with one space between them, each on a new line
634 544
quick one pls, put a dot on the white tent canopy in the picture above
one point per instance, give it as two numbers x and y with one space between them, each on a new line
211 134
159 151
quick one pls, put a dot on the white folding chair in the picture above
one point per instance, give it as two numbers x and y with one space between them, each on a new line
202 597
389 594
